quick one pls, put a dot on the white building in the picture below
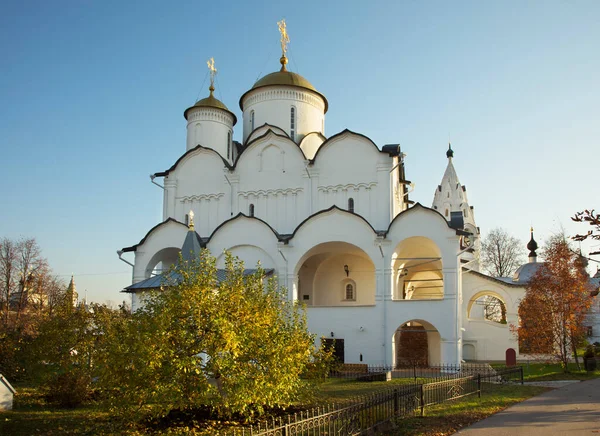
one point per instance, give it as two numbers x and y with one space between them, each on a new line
7 393
390 280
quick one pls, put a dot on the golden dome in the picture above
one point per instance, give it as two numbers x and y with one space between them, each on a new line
211 102
284 78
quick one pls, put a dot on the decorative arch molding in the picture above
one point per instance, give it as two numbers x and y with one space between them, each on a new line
347 187
151 231
201 197
268 192
266 148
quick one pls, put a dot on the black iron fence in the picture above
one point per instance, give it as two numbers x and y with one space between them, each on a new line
366 413
417 372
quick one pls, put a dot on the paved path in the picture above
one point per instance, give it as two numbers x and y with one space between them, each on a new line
571 410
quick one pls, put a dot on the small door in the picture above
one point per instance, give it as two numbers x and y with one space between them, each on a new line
338 348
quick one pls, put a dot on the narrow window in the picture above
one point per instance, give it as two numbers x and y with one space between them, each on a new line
252 121
293 123
350 292
351 204
229 154
446 213
187 219
448 195
251 210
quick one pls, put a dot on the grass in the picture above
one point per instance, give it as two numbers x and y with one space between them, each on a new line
340 390
554 371
449 417
33 415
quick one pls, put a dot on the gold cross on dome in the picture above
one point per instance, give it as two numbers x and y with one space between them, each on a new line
213 72
285 39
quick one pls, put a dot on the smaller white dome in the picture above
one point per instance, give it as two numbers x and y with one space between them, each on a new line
525 272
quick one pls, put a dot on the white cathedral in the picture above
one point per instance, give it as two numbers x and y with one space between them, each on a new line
391 281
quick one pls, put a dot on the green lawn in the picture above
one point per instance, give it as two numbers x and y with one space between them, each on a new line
449 417
32 415
554 371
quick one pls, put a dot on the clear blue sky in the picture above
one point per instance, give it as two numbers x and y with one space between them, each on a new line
92 96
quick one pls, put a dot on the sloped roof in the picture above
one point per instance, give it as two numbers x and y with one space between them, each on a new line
172 278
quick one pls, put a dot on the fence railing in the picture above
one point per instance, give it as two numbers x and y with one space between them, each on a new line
368 412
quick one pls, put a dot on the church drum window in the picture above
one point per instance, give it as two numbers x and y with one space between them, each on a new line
351 205
293 123
252 121
229 154
251 210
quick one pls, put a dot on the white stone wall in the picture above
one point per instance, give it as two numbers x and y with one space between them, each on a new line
209 127
272 105
489 340
6 394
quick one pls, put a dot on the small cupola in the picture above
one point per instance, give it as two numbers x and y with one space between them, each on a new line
532 246
210 123
284 99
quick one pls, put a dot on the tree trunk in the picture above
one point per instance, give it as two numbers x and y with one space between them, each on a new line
576 357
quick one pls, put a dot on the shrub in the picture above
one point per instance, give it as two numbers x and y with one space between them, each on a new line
69 389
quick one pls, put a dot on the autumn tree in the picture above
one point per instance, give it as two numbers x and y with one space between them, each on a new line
593 219
501 253
28 293
556 301
235 346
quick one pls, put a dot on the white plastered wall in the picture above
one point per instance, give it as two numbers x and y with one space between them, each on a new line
272 105
444 314
489 339
198 183
350 166
249 239
271 175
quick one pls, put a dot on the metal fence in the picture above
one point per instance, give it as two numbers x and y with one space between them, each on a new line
366 413
414 371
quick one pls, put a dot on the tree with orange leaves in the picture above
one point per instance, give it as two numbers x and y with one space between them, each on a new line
556 302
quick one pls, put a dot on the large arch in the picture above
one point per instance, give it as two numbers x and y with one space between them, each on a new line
251 255
161 261
487 305
336 273
416 342
417 266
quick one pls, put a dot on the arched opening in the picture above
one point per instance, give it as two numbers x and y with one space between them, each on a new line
351 204
487 306
251 209
252 121
162 261
336 274
417 342
417 270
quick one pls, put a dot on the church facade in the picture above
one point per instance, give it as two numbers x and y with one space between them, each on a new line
391 281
